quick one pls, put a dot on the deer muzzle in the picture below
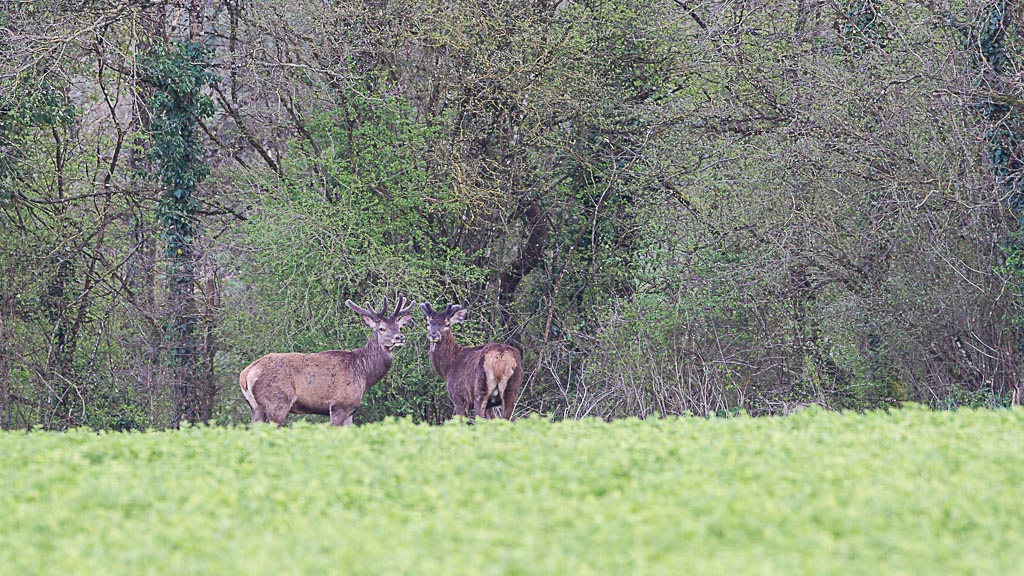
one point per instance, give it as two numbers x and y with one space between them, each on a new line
397 342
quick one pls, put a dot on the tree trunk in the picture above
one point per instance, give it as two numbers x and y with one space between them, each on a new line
6 312
530 255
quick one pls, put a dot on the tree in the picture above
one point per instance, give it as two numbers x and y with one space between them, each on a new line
178 73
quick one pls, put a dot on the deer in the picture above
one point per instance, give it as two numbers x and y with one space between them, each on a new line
329 383
481 377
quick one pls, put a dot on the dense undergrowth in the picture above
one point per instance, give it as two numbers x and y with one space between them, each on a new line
907 492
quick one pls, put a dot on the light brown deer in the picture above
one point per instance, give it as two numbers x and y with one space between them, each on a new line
481 377
330 383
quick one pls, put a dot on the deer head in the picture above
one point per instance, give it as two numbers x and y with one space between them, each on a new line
387 329
440 323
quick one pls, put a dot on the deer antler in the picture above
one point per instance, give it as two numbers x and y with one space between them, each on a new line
452 309
400 301
402 309
368 311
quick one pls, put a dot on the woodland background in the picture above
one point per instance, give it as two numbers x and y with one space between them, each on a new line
671 207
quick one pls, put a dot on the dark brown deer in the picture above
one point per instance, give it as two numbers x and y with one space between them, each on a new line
481 377
330 383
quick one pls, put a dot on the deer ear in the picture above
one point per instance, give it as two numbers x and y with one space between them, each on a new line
403 320
458 316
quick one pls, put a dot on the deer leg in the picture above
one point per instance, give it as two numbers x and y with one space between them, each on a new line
460 406
341 416
481 394
481 408
258 414
511 392
508 400
277 413
460 401
256 411
270 403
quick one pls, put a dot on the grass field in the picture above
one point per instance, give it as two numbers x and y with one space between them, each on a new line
910 492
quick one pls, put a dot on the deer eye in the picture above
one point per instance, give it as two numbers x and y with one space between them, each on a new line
382 328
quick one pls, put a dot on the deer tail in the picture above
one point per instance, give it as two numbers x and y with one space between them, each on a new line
245 381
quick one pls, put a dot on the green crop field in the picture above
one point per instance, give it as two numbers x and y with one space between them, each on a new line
908 492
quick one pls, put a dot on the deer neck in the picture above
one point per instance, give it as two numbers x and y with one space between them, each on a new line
444 353
375 360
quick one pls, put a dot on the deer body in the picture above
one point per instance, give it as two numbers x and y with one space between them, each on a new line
481 377
330 383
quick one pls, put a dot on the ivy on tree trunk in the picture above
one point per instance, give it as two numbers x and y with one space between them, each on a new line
1004 137
178 73
986 42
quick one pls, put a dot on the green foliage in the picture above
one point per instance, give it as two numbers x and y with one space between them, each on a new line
38 104
633 59
368 160
906 492
29 103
